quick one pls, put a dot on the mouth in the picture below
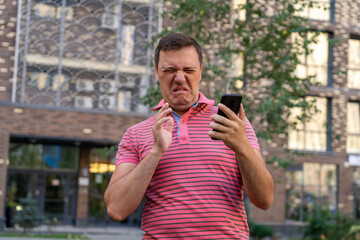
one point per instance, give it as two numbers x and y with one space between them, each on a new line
180 90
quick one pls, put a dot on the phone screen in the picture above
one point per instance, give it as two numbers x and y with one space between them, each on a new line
232 101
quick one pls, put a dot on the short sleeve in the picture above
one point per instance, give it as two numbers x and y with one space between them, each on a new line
128 149
251 136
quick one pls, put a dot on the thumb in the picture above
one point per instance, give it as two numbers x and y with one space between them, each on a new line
242 113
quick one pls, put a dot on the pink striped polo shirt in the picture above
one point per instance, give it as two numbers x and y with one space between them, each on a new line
196 191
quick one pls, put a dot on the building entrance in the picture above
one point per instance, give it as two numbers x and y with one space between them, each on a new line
54 193
101 168
46 173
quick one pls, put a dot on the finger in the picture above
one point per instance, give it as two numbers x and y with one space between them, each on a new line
228 112
220 119
219 127
164 111
216 135
165 106
159 124
169 124
242 113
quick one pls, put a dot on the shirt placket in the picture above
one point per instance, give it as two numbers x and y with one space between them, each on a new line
184 126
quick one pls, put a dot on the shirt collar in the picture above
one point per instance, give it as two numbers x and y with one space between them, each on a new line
202 99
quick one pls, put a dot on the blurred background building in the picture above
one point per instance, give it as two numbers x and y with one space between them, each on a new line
73 73
71 76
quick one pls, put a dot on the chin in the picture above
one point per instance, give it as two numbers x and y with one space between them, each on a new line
182 101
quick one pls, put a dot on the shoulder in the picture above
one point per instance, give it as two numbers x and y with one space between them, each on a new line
207 109
149 122
139 131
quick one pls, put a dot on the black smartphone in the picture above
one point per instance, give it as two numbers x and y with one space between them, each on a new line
233 102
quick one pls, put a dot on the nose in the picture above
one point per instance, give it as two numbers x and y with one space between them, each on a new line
179 76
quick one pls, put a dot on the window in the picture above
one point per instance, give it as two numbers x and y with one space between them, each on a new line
315 64
46 10
48 81
128 44
25 156
239 11
102 160
353 127
317 10
39 156
238 71
310 135
102 165
124 101
308 187
353 74
56 157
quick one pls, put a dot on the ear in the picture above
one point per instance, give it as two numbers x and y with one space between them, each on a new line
156 72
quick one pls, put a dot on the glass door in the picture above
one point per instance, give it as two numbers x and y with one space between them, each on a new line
46 173
101 168
58 198
54 197
97 208
19 185
55 194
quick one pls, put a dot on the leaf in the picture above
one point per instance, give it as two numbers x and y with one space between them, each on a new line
271 45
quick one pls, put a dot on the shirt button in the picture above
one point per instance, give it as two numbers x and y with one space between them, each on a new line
182 122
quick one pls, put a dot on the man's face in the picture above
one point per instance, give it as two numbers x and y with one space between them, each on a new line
179 74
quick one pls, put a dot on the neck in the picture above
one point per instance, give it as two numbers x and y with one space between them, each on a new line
180 113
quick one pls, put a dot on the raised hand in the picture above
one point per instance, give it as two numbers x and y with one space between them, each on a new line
162 135
231 131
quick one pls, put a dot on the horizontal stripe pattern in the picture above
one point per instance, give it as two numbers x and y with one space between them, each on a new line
196 191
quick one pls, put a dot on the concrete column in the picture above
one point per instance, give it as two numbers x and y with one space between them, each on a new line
4 149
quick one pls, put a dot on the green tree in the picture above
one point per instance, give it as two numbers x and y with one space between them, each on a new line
27 215
325 225
259 231
269 39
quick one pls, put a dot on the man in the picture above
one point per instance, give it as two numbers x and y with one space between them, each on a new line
194 186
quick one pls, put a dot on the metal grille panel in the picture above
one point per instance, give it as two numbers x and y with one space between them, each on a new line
86 54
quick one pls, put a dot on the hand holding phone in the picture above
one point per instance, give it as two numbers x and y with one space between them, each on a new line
232 101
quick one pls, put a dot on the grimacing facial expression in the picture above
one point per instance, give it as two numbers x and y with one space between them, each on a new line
179 74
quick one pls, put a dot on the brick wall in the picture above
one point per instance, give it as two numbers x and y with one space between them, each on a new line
65 124
8 12
277 211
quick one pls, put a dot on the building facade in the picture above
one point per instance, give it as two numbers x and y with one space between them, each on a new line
72 74
327 175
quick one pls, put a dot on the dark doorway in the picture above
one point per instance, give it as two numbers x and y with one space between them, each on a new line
54 193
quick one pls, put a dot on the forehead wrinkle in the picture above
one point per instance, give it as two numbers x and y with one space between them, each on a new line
185 58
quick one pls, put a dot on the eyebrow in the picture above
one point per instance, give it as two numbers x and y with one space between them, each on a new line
172 67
